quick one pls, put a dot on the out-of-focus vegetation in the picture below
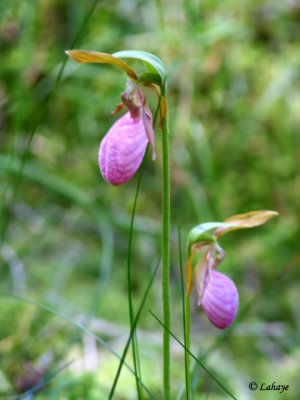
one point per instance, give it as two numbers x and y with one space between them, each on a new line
234 104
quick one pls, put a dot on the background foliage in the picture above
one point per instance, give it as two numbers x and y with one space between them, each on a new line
234 121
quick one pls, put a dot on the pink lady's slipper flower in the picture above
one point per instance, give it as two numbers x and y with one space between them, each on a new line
220 300
216 292
123 147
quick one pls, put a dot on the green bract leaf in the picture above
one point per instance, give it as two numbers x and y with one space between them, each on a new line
85 56
148 58
150 77
149 67
246 220
200 233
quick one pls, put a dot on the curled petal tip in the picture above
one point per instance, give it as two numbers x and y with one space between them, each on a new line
220 300
118 108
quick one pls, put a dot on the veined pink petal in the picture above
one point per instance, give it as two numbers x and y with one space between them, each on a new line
147 118
122 149
220 300
202 278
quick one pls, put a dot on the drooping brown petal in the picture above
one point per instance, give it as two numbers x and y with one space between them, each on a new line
189 267
163 109
189 273
246 220
148 124
86 56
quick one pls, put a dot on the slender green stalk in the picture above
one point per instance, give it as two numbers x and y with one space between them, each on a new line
130 306
138 360
189 374
166 255
188 340
138 314
186 326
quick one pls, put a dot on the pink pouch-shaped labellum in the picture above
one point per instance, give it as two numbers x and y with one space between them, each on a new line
122 149
220 300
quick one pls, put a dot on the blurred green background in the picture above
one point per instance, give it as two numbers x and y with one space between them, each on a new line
234 104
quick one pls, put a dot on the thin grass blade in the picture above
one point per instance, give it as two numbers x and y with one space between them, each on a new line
122 362
211 374
135 352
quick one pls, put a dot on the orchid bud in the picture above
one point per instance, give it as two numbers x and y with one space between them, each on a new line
123 147
220 300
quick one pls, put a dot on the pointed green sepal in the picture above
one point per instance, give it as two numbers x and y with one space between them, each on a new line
149 60
201 233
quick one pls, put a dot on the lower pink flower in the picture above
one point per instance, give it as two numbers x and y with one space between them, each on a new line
220 300
122 149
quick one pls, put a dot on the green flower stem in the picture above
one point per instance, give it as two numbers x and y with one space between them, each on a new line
166 255
187 344
186 328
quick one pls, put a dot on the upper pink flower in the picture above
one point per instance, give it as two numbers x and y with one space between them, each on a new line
123 147
122 150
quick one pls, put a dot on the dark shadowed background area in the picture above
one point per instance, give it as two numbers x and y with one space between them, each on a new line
234 105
